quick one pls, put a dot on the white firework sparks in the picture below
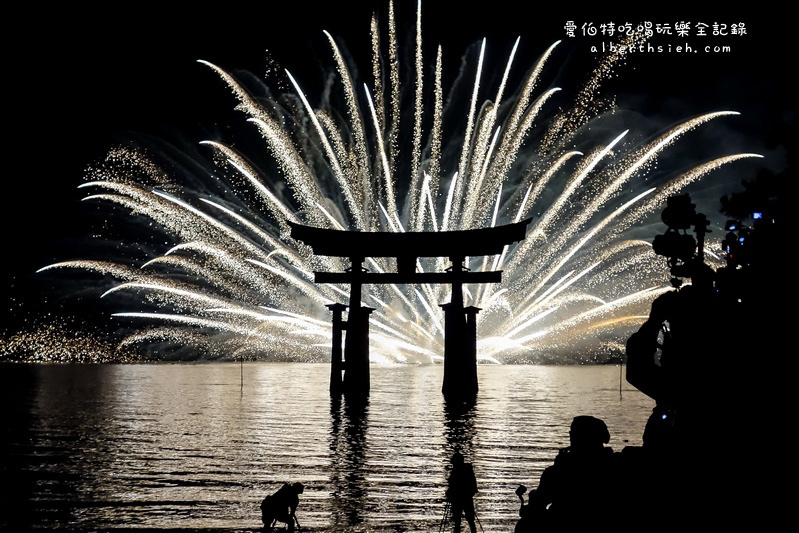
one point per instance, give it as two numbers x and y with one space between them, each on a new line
231 281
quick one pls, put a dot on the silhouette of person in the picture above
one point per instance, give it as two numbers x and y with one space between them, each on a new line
684 358
577 489
461 488
282 506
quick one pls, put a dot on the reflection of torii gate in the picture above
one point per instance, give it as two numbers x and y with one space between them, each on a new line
460 328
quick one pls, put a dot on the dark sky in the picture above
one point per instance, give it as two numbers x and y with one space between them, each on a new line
77 80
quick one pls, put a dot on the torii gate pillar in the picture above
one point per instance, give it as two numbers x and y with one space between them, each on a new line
460 346
336 355
356 351
349 369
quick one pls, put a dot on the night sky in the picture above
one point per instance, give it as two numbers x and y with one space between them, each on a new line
77 81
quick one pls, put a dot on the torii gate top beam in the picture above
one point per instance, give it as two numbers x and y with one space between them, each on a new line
460 243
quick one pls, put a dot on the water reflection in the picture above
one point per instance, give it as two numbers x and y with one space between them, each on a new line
18 445
459 427
180 446
348 449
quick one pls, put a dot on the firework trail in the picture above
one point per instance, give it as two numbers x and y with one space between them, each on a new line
227 281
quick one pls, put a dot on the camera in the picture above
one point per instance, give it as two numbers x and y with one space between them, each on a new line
684 252
674 245
679 212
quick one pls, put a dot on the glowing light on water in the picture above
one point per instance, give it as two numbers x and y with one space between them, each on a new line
232 283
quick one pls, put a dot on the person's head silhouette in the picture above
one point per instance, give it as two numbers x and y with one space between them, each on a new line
588 432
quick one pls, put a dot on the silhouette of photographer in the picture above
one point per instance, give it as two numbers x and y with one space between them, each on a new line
461 488
577 490
282 506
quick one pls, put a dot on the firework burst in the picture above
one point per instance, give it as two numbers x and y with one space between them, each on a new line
226 280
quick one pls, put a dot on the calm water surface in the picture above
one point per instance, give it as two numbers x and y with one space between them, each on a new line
199 445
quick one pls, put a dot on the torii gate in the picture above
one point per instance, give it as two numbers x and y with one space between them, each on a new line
460 327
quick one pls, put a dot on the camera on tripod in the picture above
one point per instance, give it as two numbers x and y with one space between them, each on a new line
684 252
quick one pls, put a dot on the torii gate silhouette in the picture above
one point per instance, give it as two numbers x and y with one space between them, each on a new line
460 327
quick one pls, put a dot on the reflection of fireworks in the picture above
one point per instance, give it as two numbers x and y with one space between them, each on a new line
235 283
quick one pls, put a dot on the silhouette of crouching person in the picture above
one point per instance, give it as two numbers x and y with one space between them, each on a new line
282 506
461 488
577 490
